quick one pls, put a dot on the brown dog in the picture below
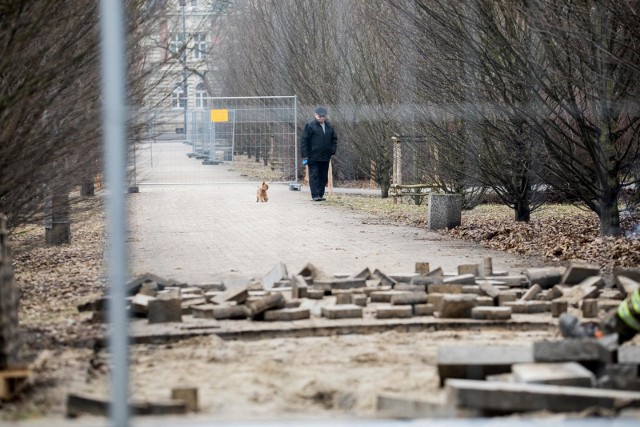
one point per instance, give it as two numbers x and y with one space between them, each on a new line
261 193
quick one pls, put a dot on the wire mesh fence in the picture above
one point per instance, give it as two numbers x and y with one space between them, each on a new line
257 134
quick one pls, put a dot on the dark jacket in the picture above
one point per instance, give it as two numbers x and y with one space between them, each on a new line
317 145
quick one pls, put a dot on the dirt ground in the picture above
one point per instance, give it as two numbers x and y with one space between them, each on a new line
282 378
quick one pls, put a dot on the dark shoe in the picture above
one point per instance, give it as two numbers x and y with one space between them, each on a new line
317 199
322 199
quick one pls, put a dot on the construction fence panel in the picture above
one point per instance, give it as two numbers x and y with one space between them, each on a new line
256 134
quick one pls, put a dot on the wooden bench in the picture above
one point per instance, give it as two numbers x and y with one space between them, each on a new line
415 192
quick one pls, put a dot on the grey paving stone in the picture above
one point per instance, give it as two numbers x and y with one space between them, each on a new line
491 313
566 374
571 350
287 314
394 311
423 310
516 397
578 271
476 362
457 306
346 311
409 298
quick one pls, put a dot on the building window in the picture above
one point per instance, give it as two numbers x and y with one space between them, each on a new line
194 3
201 96
200 45
178 96
176 43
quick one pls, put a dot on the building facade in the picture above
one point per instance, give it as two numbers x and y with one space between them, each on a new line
179 57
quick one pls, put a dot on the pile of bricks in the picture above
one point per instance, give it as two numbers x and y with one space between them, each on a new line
570 375
475 291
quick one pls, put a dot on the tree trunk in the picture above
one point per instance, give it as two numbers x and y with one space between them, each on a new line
609 216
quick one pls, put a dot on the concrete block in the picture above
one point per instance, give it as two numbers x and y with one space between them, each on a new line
566 374
473 269
608 305
287 314
344 299
340 284
486 268
140 304
393 311
204 311
512 281
553 293
445 289
488 288
299 286
444 211
283 283
626 279
435 299
315 293
149 288
461 279
528 307
457 306
190 303
546 277
422 267
578 271
342 311
235 294
277 272
162 310
491 313
571 350
360 299
384 296
313 272
558 307
222 312
270 302
531 293
386 280
407 287
589 308
423 310
517 397
403 277
409 298
403 407
425 280
293 303
619 376
364 274
476 362
507 296
471 289
588 288
483 301
189 395
629 354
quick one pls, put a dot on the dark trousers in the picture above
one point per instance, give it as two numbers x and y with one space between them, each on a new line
318 177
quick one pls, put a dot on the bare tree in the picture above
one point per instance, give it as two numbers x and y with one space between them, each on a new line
589 84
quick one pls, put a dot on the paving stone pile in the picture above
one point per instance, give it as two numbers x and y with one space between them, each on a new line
564 375
475 291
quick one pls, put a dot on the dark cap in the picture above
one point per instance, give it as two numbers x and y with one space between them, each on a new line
321 111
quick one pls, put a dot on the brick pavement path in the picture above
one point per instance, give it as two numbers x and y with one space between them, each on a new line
200 233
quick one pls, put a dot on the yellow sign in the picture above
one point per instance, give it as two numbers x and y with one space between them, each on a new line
218 116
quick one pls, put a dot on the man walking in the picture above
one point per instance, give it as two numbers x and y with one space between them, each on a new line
318 143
